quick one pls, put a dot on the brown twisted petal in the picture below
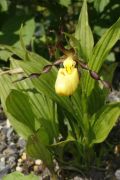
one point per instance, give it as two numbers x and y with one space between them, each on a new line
47 68
34 75
107 85
84 66
59 61
94 75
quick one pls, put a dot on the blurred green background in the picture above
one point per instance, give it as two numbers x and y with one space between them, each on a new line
42 19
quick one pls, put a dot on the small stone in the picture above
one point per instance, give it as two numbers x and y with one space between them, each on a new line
12 159
114 96
117 174
2 146
8 152
2 136
18 168
4 172
21 143
35 168
13 147
20 160
45 173
19 163
4 132
21 151
38 162
117 149
24 157
2 165
2 159
9 134
31 163
8 123
12 144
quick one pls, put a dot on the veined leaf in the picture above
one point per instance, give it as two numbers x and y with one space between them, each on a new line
79 105
4 55
43 107
18 106
37 147
100 52
83 33
100 4
14 50
98 95
103 121
3 5
5 88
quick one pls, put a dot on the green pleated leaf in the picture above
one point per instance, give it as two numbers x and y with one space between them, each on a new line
4 55
100 52
103 121
83 33
43 107
19 53
5 89
80 107
3 5
98 95
18 106
37 147
19 176
100 4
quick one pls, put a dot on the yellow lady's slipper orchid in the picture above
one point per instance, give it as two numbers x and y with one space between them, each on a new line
68 78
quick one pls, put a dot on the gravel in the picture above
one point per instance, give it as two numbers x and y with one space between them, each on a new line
117 174
12 152
10 147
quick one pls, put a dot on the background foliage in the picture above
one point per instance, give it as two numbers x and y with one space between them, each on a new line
39 18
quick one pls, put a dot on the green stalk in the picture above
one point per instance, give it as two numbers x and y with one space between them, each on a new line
54 177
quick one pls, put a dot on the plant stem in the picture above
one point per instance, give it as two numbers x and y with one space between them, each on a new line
54 176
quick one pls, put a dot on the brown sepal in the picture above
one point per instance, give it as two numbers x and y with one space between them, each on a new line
58 62
47 68
94 75
107 85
